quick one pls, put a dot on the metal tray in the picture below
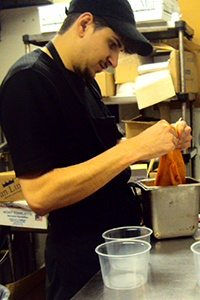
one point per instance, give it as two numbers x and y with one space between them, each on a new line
171 211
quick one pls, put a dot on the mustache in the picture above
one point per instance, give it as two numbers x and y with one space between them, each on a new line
104 65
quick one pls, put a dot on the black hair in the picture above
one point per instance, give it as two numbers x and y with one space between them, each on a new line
68 22
71 18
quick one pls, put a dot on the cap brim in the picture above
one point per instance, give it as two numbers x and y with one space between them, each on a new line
139 44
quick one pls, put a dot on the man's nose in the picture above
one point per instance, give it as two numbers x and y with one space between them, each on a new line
113 59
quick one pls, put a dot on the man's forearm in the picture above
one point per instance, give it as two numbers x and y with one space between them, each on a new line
64 186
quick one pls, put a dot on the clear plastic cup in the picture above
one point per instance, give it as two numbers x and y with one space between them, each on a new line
195 248
124 264
128 232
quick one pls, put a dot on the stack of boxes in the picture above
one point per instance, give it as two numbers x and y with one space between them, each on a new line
150 84
131 67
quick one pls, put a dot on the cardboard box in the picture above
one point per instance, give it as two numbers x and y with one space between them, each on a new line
106 83
154 10
190 62
10 188
52 16
127 69
191 72
18 217
138 172
138 124
152 88
31 287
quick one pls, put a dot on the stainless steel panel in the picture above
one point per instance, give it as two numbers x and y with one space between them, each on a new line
171 211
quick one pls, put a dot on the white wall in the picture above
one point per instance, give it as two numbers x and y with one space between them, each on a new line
14 24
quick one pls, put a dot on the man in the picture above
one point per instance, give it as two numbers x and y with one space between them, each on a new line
65 146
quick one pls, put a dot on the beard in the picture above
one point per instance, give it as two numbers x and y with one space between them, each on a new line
84 73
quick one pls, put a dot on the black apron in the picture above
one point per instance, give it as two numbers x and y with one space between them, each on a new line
75 231
104 127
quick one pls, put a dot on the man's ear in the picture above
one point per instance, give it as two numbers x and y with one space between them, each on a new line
83 22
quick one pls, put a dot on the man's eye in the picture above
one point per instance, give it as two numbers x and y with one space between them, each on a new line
113 46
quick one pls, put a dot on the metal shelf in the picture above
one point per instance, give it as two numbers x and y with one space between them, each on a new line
38 39
150 32
132 99
167 31
189 154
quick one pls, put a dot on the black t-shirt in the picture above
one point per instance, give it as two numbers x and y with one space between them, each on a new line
45 124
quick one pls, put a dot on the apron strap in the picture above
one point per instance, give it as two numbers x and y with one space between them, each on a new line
62 68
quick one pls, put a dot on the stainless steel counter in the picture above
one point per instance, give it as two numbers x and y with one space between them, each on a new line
171 276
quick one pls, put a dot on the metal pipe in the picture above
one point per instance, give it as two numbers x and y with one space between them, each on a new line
182 70
182 61
9 237
27 48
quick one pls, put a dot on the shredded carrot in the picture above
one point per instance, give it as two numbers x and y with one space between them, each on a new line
171 168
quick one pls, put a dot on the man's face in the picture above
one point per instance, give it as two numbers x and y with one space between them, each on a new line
98 50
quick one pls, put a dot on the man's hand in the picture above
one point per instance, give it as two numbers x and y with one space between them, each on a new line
162 138
184 135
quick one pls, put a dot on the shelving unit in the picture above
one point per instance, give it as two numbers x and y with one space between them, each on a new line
180 30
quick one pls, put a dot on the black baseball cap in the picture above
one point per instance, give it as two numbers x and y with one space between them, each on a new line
118 14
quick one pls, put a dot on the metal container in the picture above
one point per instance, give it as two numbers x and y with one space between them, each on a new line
171 211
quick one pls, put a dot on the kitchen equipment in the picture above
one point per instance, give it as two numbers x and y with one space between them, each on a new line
124 264
128 233
171 211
